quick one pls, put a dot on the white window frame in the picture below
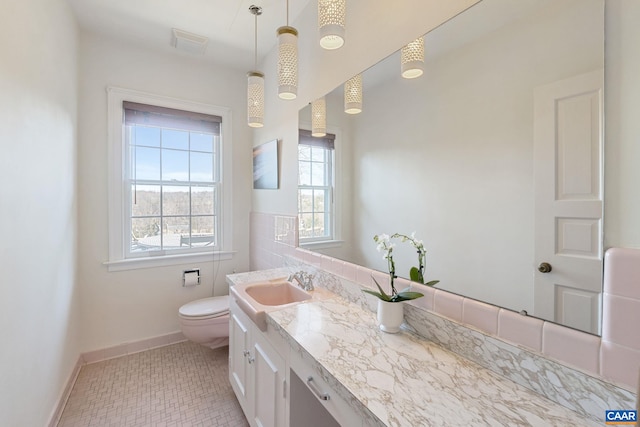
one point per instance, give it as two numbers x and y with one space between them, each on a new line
336 196
118 213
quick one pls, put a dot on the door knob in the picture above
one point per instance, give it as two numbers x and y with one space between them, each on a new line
544 267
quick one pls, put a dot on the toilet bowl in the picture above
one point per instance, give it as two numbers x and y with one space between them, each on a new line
206 321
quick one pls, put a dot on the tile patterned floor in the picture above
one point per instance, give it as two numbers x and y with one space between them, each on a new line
184 384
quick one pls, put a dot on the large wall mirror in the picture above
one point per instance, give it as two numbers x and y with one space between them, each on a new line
493 157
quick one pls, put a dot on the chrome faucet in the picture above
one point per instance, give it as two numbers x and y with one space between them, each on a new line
304 280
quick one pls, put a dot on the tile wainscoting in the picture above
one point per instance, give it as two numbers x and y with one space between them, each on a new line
583 372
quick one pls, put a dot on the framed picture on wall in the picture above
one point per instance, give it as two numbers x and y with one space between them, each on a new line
265 165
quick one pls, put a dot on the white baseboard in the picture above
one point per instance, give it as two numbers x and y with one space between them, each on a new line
132 347
64 396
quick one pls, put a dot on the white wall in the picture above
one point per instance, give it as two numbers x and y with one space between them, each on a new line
39 298
622 126
450 155
126 306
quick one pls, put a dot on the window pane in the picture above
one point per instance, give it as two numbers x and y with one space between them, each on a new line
202 231
305 200
201 167
317 154
145 234
201 142
318 225
304 172
146 164
202 200
319 198
175 139
304 152
318 174
175 200
175 165
306 224
175 232
145 200
147 136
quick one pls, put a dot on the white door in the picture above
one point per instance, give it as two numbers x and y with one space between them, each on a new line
568 171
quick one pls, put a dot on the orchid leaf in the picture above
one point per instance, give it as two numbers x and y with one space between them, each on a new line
380 289
406 296
415 275
384 297
432 283
381 295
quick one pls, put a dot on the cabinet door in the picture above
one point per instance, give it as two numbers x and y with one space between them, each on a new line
269 389
239 345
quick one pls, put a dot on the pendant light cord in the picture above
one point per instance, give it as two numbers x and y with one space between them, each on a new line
287 13
255 45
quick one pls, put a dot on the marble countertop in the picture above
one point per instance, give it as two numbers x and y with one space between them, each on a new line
404 380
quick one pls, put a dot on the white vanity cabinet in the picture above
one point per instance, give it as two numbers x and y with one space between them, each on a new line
257 372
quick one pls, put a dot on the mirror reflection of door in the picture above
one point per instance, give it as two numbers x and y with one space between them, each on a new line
568 169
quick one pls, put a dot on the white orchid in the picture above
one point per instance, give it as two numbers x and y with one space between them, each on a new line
416 273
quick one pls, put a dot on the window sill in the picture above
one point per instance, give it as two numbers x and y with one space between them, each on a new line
166 260
323 244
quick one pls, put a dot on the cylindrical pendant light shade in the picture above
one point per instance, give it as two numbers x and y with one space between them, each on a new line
255 82
331 17
287 62
412 59
319 117
255 99
353 95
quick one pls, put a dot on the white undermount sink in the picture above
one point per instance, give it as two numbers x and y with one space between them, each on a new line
257 298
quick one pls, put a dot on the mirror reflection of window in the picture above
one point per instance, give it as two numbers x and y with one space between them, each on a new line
315 187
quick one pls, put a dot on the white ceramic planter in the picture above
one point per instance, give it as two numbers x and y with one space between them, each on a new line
390 316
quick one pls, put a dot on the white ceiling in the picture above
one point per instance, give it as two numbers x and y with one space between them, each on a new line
227 24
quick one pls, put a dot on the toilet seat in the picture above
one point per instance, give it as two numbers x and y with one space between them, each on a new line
205 308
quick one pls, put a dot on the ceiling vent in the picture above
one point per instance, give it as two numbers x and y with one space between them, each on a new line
189 42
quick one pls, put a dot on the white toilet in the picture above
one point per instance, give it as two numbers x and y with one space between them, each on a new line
206 321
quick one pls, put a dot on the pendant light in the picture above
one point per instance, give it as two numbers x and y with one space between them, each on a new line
412 59
331 17
287 60
255 82
319 117
353 95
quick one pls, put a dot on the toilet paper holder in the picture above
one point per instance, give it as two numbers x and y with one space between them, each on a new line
191 277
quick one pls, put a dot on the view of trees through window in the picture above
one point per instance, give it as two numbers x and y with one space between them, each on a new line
176 228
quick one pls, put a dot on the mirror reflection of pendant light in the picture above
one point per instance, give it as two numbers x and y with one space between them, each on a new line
331 17
319 117
412 59
255 83
287 60
353 95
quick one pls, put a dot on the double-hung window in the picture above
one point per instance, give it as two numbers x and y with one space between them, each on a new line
166 195
316 211
172 179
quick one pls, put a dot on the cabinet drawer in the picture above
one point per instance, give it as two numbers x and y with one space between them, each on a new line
335 405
